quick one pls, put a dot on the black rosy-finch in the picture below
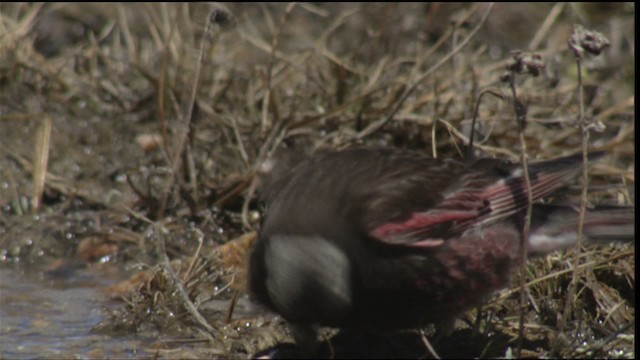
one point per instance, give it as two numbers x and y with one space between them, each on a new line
386 239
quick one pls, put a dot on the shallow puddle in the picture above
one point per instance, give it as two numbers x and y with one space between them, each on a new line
46 316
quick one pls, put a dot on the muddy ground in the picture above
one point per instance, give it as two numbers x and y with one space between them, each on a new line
131 134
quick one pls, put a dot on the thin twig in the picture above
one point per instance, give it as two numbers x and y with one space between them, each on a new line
207 40
275 137
590 264
196 255
475 115
582 43
521 118
41 159
491 149
160 230
162 252
546 25
236 133
232 306
409 90
584 136
267 96
428 345
297 65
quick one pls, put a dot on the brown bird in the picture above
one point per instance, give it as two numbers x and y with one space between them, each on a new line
389 239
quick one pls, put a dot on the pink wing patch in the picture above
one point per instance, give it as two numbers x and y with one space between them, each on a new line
477 202
395 232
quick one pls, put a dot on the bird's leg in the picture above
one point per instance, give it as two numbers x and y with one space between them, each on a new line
305 337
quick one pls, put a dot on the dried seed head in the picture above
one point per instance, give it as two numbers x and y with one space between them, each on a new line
587 41
222 16
506 77
525 63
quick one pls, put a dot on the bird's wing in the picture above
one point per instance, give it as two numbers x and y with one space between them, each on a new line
483 195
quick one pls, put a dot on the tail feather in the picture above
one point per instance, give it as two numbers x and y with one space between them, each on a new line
554 227
570 161
509 195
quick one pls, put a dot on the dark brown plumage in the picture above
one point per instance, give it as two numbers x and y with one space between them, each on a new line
385 239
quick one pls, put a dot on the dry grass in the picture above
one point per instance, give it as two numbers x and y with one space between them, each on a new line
217 94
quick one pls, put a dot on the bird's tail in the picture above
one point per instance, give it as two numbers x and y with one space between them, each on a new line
554 227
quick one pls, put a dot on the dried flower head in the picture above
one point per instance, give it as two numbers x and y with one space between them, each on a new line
589 41
525 63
